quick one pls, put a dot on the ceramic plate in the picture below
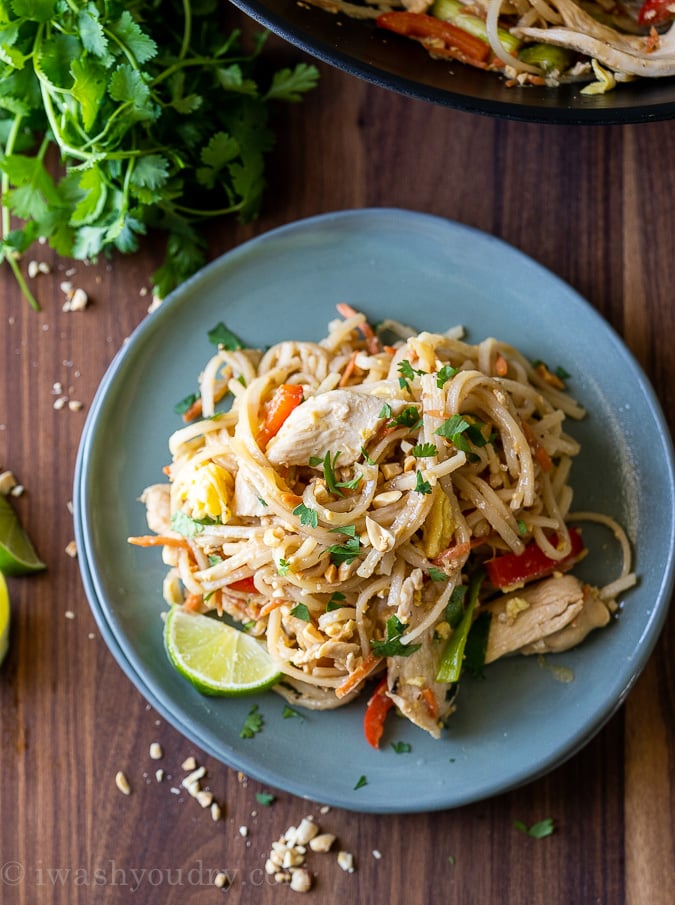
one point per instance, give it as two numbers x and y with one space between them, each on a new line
519 721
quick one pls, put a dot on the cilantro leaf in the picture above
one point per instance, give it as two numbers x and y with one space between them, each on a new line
401 747
422 486
252 724
307 515
392 645
446 373
191 527
186 403
220 335
301 611
538 830
361 782
423 450
291 84
289 713
265 798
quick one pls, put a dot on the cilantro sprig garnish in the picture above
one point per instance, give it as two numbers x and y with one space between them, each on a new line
347 551
333 485
391 645
463 434
191 527
406 374
308 516
160 120
252 724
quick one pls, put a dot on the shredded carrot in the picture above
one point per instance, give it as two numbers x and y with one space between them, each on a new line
267 608
454 555
431 702
159 540
286 397
538 450
349 369
501 366
366 666
194 411
193 603
371 339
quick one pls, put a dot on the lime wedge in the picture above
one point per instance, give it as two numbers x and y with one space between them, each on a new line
216 658
17 554
4 618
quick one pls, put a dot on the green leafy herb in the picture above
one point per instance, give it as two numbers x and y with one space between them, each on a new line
262 502
191 527
462 433
422 486
392 646
366 457
307 516
283 567
423 450
436 574
252 724
186 403
335 602
288 713
538 830
408 417
385 411
446 373
214 559
265 798
160 120
346 552
407 373
301 611
562 373
401 747
361 782
208 596
451 859
220 335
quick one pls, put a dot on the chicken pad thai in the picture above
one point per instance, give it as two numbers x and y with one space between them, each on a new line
383 509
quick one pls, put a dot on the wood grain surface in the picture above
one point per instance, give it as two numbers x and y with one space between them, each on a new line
593 204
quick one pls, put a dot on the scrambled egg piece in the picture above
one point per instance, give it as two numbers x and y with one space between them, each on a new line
439 527
204 492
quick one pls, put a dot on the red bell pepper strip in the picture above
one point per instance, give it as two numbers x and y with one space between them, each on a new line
656 12
513 569
285 398
377 709
244 584
423 28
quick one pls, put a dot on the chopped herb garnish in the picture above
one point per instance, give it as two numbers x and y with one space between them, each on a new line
252 724
335 602
288 713
180 408
315 461
401 747
332 483
208 596
265 798
361 782
283 566
301 611
538 830
562 373
522 528
423 450
385 411
407 373
422 486
262 502
392 646
366 457
220 335
436 574
408 417
191 527
350 485
446 373
346 552
214 559
248 626
451 859
307 516
460 431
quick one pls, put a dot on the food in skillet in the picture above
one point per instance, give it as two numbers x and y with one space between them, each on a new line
542 42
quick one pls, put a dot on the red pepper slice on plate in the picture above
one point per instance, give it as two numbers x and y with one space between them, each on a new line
656 12
377 709
514 569
423 28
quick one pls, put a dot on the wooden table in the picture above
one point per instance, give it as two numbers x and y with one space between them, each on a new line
595 205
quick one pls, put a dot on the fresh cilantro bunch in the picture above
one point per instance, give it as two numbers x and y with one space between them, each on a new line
158 118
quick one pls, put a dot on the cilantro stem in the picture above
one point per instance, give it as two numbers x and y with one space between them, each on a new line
6 221
187 30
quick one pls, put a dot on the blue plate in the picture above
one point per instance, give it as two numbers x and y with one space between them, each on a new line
516 723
